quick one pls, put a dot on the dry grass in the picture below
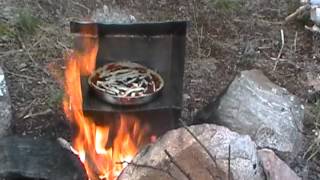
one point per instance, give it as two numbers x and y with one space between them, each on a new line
5 30
314 147
26 23
226 5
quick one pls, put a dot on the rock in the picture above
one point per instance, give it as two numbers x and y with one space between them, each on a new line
193 159
24 158
255 106
274 167
5 107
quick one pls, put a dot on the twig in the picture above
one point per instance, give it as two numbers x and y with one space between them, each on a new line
211 174
199 37
32 59
297 12
200 143
177 165
280 52
81 5
259 20
295 42
36 64
62 45
285 61
22 76
280 59
41 113
149 167
23 46
26 109
314 145
37 42
295 123
8 53
195 20
313 149
27 50
314 28
229 162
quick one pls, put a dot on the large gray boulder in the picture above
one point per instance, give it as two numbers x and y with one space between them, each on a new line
5 107
254 105
153 163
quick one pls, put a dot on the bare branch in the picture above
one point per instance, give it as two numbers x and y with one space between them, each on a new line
200 143
82 6
177 165
27 109
229 162
148 167
297 12
281 49
213 176
296 124
8 53
295 42
314 28
22 76
40 113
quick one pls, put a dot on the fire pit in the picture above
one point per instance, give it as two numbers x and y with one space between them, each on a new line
107 132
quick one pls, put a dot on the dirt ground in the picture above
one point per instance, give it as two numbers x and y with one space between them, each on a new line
223 39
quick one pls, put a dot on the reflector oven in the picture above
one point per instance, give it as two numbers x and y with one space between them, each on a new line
157 46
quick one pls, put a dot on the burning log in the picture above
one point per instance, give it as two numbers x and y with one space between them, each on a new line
66 145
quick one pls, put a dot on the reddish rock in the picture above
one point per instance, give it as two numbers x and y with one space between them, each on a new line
274 167
152 163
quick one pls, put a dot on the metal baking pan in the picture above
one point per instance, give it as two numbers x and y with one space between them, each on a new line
128 100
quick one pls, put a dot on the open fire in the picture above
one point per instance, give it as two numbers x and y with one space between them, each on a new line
104 149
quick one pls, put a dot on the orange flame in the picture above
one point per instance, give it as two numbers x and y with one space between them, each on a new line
101 161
